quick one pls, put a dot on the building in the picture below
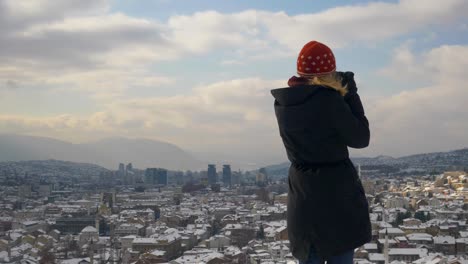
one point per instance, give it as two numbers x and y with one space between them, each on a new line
171 245
129 167
5 224
129 177
87 234
142 244
240 235
262 177
156 176
392 232
45 190
227 175
406 254
24 191
121 169
236 177
212 175
73 225
125 229
445 245
218 241
420 238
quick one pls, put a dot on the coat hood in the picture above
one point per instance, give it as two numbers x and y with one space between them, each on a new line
294 95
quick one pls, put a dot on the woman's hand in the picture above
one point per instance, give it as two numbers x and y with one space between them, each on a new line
347 78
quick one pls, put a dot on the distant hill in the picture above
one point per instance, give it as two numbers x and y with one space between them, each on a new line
108 153
436 161
458 158
52 167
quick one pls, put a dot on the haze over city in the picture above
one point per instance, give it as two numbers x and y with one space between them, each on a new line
198 74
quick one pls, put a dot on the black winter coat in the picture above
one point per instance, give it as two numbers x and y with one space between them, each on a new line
327 206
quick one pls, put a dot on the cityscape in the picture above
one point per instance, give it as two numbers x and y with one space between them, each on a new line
63 212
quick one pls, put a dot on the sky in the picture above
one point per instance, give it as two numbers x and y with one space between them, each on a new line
198 74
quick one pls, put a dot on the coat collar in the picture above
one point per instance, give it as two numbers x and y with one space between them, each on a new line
295 95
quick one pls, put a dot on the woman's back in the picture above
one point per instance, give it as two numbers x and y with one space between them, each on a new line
307 119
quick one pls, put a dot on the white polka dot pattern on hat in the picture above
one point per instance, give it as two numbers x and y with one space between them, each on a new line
315 58
327 63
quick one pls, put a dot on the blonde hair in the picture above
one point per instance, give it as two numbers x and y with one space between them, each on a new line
332 80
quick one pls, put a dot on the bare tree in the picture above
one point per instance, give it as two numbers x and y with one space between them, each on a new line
46 257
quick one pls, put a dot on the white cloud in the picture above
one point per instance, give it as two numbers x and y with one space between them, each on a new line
428 118
372 22
77 35
83 45
447 62
226 114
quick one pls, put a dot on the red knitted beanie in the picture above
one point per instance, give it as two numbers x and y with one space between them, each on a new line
315 59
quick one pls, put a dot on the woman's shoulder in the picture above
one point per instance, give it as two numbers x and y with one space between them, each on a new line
329 93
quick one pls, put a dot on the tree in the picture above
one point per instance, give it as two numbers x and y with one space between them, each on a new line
215 227
263 195
140 189
46 257
379 217
400 217
378 199
421 216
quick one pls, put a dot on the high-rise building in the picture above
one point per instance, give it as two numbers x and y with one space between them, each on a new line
156 176
121 168
212 175
236 177
262 177
129 167
227 175
129 174
203 175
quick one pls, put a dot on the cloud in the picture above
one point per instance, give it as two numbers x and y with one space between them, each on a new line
445 63
42 40
374 22
231 114
237 115
83 45
429 118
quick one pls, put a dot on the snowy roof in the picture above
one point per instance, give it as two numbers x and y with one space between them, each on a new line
421 252
203 257
29 223
144 240
157 252
368 246
89 229
433 258
419 236
392 230
444 240
376 257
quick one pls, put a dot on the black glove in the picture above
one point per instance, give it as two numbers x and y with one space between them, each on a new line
351 97
347 78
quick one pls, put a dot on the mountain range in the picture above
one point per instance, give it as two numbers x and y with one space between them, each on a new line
143 153
51 168
425 162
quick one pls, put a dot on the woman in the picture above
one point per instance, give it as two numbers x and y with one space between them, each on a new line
319 115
